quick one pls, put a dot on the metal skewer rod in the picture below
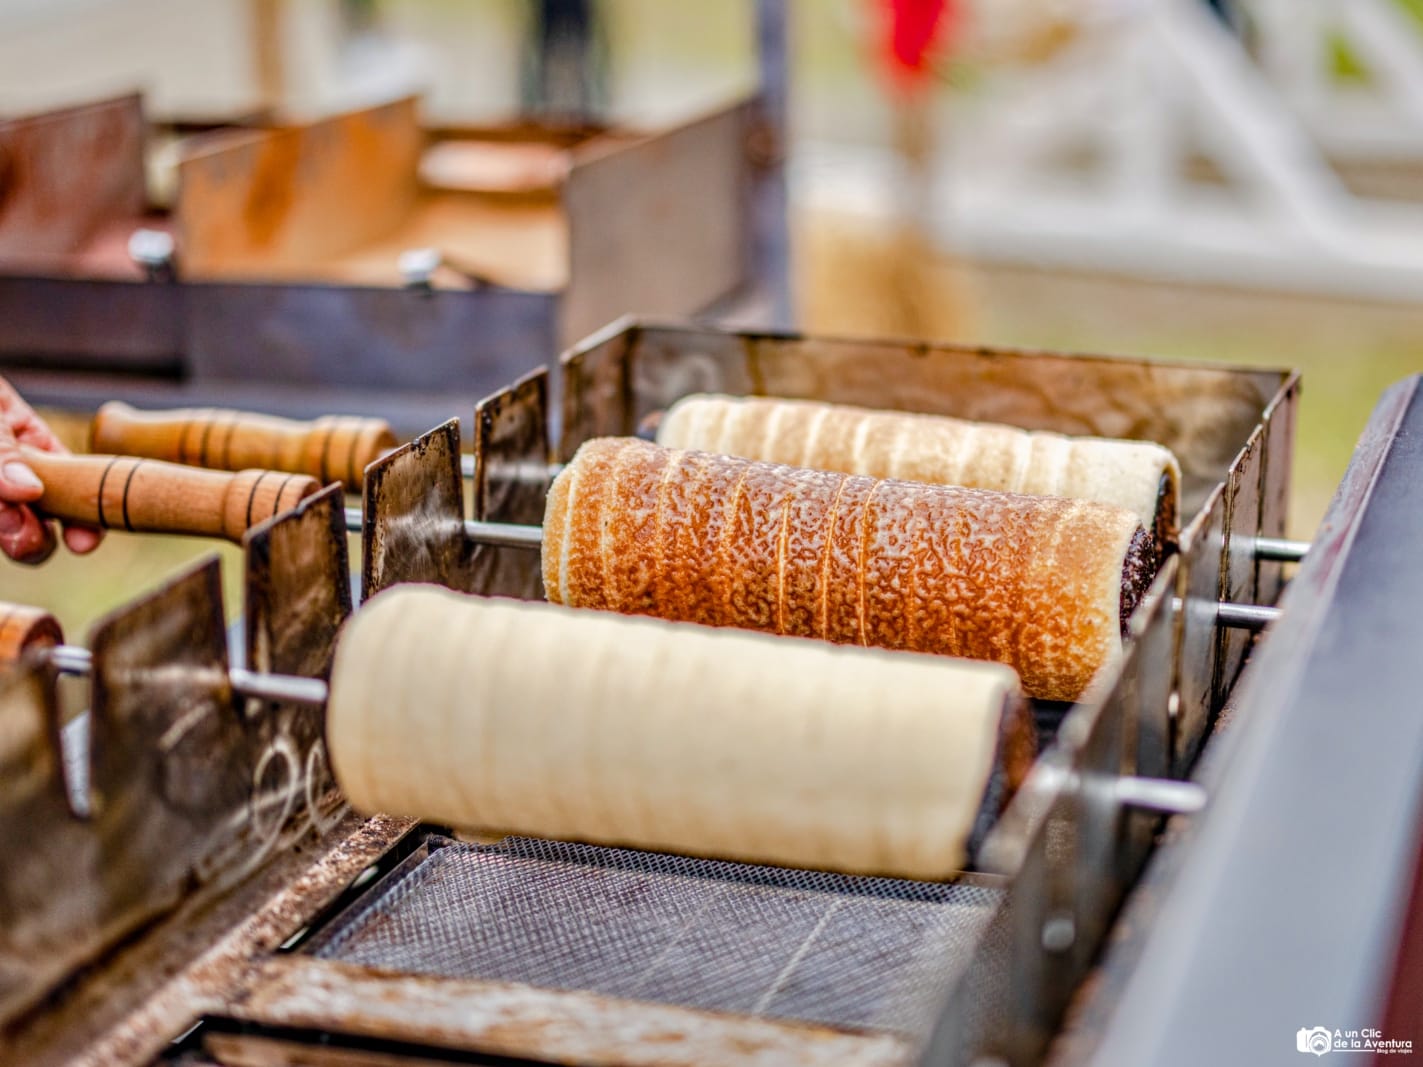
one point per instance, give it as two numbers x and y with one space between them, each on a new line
1164 796
281 688
1239 616
498 534
1160 795
513 535
1277 549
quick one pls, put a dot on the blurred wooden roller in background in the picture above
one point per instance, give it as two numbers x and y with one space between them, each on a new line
334 448
23 628
528 718
1137 475
1042 584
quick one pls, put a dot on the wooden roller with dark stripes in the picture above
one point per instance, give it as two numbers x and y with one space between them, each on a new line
150 496
334 448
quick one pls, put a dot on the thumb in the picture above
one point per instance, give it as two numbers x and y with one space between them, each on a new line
18 484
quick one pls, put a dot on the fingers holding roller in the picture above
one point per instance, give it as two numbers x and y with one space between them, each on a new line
24 535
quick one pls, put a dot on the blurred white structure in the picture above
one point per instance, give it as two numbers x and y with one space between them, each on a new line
1152 143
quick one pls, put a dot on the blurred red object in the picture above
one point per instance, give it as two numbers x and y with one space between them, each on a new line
912 29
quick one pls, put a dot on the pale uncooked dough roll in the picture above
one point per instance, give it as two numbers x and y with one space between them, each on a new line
1140 476
529 718
1042 584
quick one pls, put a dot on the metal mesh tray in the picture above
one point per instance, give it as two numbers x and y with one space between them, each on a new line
862 953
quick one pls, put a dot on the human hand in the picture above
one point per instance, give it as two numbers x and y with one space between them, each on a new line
24 535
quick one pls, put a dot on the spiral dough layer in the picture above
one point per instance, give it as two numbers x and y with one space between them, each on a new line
1041 584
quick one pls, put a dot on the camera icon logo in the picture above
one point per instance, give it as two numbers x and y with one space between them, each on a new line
1317 1039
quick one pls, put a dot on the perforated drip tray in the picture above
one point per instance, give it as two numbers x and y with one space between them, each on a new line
861 953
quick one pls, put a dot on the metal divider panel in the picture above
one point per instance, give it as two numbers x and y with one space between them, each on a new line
1198 642
1239 578
593 388
171 763
266 199
171 772
511 480
1275 483
414 516
660 225
68 174
39 907
1204 415
298 593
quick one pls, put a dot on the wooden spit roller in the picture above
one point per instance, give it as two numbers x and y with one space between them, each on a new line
670 736
1042 584
24 628
124 493
332 448
1140 476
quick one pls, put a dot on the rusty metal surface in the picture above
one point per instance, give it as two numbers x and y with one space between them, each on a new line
34 918
511 480
298 593
1203 414
1239 568
1275 483
168 774
272 188
193 962
509 1019
66 175
258 201
1198 638
166 779
414 515
659 226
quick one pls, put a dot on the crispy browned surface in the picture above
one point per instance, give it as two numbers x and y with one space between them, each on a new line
1033 582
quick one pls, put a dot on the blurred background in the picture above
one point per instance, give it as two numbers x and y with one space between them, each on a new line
1236 182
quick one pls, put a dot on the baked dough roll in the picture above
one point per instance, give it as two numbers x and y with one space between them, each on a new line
528 718
1042 584
1140 476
